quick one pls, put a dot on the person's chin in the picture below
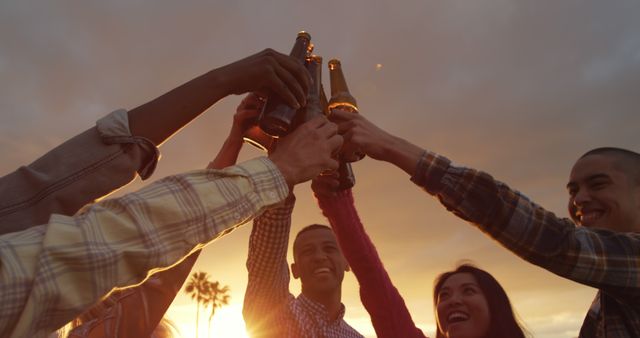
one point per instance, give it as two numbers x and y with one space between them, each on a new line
462 330
325 285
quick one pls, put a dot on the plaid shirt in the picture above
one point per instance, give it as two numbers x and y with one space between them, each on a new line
135 312
602 259
51 273
270 310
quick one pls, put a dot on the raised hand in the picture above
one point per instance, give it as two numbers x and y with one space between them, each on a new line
268 72
309 150
247 111
325 186
361 134
246 114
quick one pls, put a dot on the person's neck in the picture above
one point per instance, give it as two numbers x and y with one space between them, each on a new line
331 300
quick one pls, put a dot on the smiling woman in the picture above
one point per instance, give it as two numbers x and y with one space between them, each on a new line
471 303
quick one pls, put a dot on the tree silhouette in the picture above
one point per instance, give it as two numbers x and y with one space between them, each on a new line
216 297
198 288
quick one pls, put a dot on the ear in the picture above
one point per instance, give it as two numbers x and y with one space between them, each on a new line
294 271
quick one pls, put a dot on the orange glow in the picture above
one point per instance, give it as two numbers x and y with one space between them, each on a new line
227 322
343 106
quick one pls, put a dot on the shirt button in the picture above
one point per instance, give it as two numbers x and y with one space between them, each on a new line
271 194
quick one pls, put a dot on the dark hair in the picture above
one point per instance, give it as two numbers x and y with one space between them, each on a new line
627 161
309 228
503 321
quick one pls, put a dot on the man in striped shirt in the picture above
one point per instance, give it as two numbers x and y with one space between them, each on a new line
599 246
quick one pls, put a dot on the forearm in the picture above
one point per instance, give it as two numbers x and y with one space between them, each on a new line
389 314
350 233
228 154
402 153
71 262
160 118
600 259
79 171
268 274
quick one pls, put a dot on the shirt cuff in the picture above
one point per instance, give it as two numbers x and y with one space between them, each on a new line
429 172
114 129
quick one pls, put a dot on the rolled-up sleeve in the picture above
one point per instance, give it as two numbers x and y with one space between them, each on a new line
51 273
82 169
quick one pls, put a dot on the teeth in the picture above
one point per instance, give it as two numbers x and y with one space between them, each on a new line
457 317
589 216
321 270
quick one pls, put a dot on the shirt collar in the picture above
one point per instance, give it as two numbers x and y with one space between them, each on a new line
318 310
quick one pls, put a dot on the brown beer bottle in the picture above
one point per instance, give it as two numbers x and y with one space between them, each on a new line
344 172
314 105
277 117
342 99
256 137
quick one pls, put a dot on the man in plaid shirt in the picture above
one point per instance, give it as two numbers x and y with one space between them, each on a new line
55 267
270 310
598 247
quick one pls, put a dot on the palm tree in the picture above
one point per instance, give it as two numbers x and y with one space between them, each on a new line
198 288
217 297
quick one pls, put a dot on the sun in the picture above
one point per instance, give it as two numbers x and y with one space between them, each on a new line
227 322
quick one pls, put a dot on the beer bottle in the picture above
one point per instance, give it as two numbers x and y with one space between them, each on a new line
345 175
314 105
342 99
324 102
277 117
255 136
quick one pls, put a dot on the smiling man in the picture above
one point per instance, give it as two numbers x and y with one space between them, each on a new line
604 190
599 247
270 310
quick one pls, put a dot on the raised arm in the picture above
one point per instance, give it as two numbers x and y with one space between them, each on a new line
123 144
249 108
389 314
267 294
598 258
267 72
51 273
152 298
45 269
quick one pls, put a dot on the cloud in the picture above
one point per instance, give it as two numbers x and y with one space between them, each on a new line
518 89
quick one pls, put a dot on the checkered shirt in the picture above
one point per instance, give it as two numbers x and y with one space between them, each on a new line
606 260
51 273
270 310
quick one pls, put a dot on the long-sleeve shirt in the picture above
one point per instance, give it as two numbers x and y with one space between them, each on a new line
389 314
82 169
270 310
135 312
53 272
603 259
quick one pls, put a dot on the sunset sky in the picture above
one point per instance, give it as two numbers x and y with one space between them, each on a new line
517 88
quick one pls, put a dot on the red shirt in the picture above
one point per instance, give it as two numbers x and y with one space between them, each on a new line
389 314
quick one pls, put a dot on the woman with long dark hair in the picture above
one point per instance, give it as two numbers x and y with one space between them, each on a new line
469 302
